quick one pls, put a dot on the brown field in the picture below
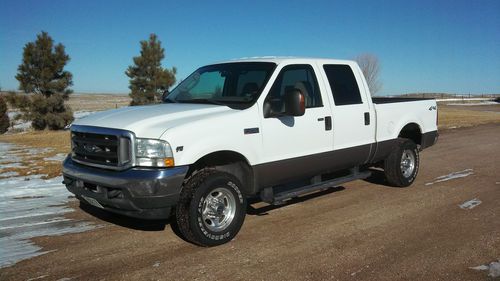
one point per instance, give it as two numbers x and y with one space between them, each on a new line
454 116
97 102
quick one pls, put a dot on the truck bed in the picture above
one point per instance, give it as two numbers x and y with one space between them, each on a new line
382 100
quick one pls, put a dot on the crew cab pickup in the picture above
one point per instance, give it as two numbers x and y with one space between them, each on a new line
268 128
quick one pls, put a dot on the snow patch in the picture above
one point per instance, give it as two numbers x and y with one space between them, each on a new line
31 207
38 278
59 157
356 272
480 267
12 165
5 156
468 205
21 125
493 268
8 174
81 114
454 175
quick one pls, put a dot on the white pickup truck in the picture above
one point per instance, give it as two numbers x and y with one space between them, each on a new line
268 128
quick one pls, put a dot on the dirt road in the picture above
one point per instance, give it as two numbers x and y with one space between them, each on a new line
360 231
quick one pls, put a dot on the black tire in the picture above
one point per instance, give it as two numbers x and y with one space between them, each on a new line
401 166
215 193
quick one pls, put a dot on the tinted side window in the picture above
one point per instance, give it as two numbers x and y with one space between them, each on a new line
299 77
343 84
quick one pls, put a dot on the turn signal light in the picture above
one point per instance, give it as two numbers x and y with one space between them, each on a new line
169 162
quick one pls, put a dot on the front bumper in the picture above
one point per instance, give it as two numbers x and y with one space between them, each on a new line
147 193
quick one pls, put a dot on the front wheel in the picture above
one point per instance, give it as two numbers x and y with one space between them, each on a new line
211 209
401 166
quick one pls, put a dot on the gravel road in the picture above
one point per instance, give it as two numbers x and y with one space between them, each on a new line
447 222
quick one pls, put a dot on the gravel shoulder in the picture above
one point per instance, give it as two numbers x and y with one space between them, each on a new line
360 231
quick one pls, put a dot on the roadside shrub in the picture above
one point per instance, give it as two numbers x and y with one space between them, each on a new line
4 118
17 100
48 112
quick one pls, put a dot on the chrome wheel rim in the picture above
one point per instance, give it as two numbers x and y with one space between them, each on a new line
219 208
407 163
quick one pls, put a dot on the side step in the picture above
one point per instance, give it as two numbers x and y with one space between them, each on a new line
267 194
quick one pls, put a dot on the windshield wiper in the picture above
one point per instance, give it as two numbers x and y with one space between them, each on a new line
208 101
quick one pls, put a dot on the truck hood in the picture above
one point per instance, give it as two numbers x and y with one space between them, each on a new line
151 121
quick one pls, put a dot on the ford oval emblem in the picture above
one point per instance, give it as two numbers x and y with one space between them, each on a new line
92 148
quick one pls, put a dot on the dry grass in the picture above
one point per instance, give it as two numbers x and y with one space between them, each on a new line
50 143
59 141
97 102
452 117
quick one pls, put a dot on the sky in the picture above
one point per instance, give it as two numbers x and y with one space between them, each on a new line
449 46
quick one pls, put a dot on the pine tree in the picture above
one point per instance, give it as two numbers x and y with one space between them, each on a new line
4 118
42 73
42 70
148 79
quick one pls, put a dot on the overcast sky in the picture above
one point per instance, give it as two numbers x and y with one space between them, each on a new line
423 46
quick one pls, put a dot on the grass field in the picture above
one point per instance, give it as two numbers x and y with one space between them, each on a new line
450 117
97 102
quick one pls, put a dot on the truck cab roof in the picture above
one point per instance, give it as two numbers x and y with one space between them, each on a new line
288 60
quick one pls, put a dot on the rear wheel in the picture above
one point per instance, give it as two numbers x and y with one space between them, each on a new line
401 166
212 208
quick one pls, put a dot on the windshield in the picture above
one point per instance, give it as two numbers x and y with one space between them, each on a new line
237 85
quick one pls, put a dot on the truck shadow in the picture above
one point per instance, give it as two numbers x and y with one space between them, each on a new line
132 223
264 210
160 225
128 222
377 177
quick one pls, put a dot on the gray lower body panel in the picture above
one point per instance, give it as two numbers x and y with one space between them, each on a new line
285 171
136 192
289 170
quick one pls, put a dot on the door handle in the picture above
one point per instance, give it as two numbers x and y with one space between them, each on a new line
328 123
367 118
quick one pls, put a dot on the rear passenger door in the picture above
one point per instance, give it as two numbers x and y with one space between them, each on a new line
353 118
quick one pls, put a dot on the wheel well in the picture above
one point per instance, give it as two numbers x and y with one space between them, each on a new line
230 162
411 131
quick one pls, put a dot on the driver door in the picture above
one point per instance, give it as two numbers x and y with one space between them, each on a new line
293 145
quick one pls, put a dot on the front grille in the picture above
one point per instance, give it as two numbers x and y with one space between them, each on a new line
101 150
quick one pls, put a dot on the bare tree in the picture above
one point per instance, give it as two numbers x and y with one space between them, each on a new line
370 66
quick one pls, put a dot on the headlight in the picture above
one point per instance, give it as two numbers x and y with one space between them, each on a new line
153 153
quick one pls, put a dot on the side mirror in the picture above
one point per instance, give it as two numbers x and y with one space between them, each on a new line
295 104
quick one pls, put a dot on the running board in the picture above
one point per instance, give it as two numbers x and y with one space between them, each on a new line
267 194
